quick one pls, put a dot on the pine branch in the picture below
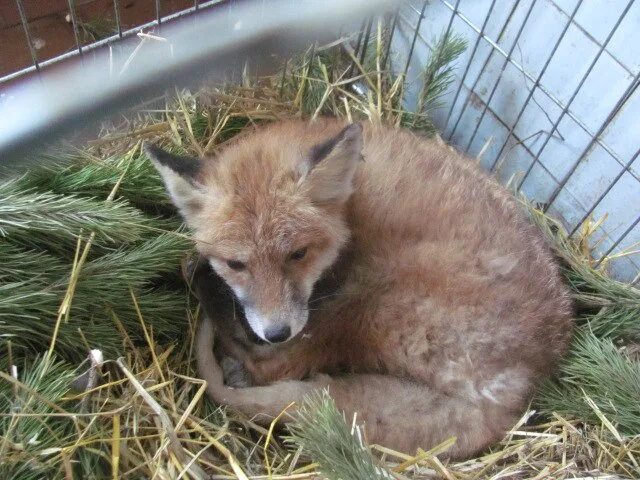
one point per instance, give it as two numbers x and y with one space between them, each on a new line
321 431
112 274
54 219
595 369
82 175
20 301
27 317
24 440
438 74
40 267
606 307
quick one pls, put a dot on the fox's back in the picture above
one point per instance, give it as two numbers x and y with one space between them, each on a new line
407 186
451 235
443 254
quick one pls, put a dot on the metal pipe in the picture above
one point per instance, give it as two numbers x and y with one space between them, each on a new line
39 112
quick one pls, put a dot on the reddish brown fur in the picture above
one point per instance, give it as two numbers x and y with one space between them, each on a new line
450 309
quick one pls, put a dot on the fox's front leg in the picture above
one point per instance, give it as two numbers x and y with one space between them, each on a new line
210 370
281 364
305 356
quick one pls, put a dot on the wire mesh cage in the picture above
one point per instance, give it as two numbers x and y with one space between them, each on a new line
545 96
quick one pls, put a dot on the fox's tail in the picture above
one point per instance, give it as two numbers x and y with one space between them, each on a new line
397 413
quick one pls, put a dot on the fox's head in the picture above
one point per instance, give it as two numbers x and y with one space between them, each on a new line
268 214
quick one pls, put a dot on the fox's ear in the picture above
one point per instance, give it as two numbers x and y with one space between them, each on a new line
332 165
179 176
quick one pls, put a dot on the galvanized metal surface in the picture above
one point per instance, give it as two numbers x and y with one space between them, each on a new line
548 91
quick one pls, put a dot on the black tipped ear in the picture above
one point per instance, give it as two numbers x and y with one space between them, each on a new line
186 166
178 174
332 165
322 150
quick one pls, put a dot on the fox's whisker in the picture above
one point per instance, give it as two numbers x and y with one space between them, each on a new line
339 294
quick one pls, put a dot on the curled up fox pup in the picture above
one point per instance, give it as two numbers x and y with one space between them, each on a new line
374 263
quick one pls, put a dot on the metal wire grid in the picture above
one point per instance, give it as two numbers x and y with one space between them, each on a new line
411 17
80 49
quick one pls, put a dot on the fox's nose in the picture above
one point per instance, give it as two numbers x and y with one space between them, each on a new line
277 333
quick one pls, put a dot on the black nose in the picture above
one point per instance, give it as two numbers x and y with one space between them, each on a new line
278 333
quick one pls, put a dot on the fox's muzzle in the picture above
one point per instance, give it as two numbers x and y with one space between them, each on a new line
278 326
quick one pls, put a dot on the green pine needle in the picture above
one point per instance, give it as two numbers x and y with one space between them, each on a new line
25 437
437 76
320 429
55 218
78 173
596 369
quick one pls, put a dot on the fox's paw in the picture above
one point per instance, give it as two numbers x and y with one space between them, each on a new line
234 373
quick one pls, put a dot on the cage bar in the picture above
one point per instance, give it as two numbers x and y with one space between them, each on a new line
352 67
27 33
158 13
116 12
529 77
611 184
471 57
484 66
365 41
454 12
109 40
612 115
392 31
596 137
415 38
618 241
74 23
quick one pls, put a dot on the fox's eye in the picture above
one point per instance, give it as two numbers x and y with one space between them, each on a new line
236 265
298 254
